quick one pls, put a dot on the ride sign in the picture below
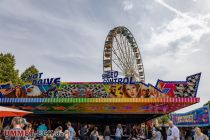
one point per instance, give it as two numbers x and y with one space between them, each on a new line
111 77
36 80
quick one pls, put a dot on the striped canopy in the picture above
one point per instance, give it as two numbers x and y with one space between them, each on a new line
10 112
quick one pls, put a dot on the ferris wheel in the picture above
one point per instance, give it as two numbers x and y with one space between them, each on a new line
121 53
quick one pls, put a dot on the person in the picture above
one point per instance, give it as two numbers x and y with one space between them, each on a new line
192 133
199 135
158 132
187 134
1 134
142 133
164 132
90 129
17 126
107 133
7 127
156 135
48 137
24 123
41 129
119 132
83 132
131 90
70 133
134 133
94 134
59 135
1 137
173 132
30 131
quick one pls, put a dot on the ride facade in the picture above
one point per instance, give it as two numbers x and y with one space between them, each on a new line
122 55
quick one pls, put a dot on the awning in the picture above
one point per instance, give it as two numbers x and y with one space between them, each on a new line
11 112
100 105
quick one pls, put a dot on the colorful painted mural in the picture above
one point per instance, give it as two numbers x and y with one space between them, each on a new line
198 117
186 88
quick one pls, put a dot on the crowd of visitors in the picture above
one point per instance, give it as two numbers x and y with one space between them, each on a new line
68 132
91 132
189 133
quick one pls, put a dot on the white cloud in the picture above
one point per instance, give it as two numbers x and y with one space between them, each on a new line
182 26
128 5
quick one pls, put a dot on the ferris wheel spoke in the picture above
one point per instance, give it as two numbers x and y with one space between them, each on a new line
119 59
124 46
129 52
128 65
118 52
120 62
121 73
120 67
121 53
118 45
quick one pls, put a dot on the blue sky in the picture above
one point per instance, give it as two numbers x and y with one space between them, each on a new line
66 37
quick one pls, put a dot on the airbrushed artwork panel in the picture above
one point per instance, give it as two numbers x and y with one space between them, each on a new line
186 88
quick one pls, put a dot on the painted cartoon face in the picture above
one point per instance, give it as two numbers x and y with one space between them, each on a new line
143 93
33 91
113 89
131 90
17 92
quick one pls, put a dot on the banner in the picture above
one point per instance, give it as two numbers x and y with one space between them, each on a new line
198 117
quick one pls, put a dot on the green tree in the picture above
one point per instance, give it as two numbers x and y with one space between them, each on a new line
163 119
29 71
7 69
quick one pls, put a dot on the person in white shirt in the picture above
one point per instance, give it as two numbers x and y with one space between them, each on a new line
173 132
119 132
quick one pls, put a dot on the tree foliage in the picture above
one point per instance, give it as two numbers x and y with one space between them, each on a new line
164 119
8 73
29 71
7 69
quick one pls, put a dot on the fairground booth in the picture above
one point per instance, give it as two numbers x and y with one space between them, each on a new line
195 118
123 96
